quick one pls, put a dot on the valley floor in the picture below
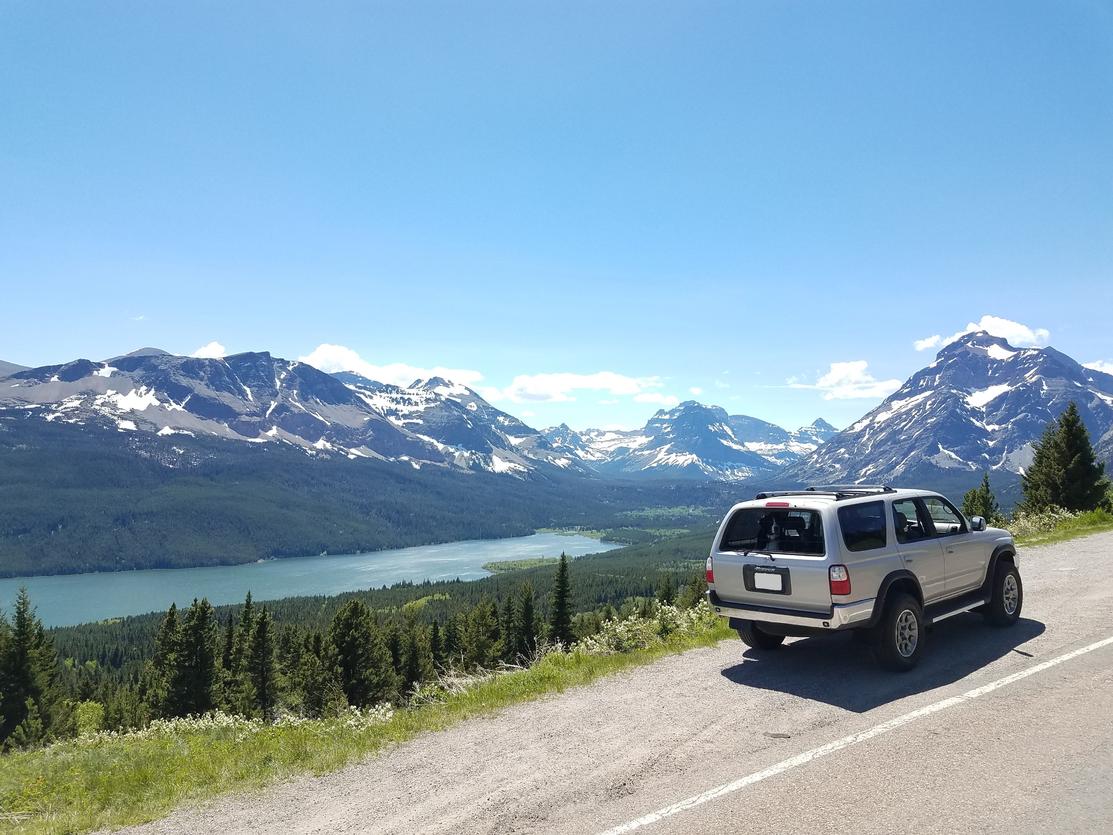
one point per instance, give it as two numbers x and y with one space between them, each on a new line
1023 754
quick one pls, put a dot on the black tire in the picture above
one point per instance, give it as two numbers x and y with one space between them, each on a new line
898 640
753 636
1007 599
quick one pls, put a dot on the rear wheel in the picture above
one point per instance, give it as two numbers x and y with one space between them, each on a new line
898 640
1004 605
753 636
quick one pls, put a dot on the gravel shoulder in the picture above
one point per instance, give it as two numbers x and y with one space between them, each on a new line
597 756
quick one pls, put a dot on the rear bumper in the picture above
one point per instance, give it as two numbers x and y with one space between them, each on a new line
841 616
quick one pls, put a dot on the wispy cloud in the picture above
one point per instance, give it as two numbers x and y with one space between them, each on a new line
1016 333
695 391
1105 366
214 350
561 387
848 381
138 318
332 358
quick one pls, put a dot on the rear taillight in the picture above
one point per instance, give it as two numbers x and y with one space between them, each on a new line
840 579
710 571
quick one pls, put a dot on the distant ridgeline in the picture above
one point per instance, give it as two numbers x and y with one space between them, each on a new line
158 460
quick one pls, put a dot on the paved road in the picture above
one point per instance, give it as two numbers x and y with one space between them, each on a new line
996 731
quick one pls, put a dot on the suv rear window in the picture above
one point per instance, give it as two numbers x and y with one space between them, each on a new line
780 530
863 526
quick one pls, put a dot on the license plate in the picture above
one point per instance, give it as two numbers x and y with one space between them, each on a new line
768 582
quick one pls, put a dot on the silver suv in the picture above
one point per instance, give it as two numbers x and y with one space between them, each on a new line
886 561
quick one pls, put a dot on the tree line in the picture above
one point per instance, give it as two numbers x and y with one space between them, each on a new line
1064 473
251 666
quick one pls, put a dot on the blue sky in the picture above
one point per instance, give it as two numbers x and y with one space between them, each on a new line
586 210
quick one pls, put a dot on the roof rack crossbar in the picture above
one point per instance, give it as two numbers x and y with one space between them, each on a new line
839 491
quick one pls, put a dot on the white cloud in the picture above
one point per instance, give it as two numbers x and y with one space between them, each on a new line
1016 333
560 387
332 358
721 384
139 318
1100 365
666 400
214 350
849 381
696 391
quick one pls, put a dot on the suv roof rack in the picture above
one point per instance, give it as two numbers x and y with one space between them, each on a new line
853 488
838 491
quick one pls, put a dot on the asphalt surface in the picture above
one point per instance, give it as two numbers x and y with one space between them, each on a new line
997 730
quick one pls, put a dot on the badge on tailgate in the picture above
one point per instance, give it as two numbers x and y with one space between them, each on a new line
766 578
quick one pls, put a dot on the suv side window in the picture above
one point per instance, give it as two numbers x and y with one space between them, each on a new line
945 519
863 526
908 522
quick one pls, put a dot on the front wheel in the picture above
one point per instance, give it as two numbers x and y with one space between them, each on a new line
753 636
898 640
1004 605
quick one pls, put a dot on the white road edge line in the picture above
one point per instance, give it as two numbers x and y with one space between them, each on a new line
846 742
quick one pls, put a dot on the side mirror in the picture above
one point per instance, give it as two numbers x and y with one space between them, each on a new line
977 523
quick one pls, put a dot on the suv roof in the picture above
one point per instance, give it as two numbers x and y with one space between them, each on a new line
844 492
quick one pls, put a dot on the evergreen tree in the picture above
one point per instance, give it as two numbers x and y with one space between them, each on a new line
317 680
480 641
436 645
367 673
394 644
193 683
525 626
417 663
29 673
261 668
243 636
508 626
31 732
666 590
693 592
560 606
1084 482
980 501
1064 471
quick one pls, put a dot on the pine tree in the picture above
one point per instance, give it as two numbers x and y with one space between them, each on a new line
980 501
31 732
261 668
417 665
436 645
525 626
480 641
666 590
560 606
366 670
1084 482
1064 471
29 674
508 626
317 680
193 683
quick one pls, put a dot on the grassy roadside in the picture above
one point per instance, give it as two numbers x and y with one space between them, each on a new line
109 780
1066 528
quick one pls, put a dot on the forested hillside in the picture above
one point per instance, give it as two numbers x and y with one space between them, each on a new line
76 501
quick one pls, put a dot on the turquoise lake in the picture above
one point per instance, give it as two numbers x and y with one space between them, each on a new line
64 600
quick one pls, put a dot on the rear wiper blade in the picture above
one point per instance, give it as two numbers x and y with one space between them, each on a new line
749 551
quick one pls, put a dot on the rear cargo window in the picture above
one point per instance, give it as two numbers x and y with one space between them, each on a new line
777 530
863 526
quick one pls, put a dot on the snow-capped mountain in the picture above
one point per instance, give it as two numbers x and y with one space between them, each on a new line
979 406
257 398
691 440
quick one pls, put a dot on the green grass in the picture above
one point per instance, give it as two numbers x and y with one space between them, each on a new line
497 566
1095 521
75 786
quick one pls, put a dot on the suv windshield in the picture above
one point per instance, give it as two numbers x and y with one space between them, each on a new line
780 530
